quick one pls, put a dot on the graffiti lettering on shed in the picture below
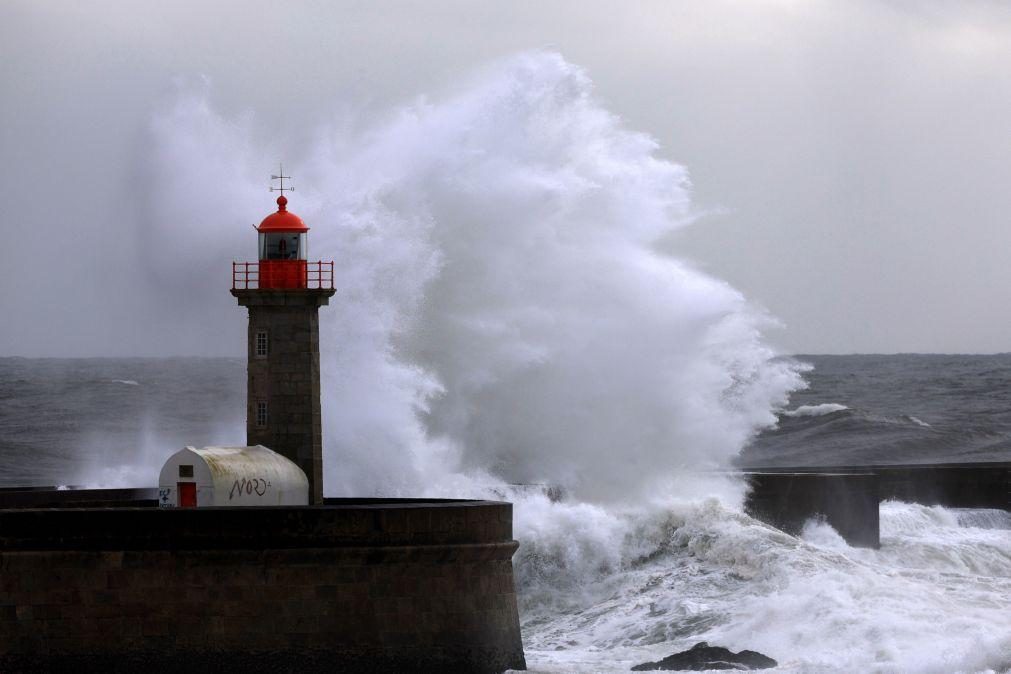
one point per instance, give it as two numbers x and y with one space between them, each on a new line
164 498
253 485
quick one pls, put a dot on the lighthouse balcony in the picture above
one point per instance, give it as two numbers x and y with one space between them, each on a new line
282 275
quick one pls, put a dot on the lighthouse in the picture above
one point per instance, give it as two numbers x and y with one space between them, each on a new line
283 292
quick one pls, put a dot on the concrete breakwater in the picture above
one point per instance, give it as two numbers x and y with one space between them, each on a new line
352 585
847 501
848 496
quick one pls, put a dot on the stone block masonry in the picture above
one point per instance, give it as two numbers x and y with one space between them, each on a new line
352 586
285 379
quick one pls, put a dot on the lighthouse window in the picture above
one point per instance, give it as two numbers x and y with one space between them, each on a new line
261 344
282 246
261 413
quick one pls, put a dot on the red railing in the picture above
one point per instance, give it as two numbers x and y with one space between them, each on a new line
282 274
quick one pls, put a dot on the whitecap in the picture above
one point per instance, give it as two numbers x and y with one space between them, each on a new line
815 410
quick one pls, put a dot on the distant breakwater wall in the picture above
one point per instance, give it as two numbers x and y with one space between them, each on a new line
354 585
848 496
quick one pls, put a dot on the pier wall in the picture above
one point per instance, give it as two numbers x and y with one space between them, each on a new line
353 586
847 501
848 496
954 485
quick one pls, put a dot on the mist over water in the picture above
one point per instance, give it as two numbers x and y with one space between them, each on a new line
504 315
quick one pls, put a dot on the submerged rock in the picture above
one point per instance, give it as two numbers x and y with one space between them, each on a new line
703 656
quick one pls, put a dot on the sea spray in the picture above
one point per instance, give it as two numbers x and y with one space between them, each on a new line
519 315
503 309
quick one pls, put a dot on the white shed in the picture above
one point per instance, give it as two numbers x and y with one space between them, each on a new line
231 476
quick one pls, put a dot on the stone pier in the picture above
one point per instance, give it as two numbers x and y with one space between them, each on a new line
355 585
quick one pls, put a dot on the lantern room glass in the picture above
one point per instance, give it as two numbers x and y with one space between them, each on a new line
282 246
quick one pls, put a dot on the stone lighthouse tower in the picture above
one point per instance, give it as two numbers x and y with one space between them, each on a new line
283 292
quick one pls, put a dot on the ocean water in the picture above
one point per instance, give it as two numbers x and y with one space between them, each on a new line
911 408
104 421
512 309
605 587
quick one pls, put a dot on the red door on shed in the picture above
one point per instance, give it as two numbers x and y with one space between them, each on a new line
187 494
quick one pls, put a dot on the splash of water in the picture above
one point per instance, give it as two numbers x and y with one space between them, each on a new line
504 313
507 289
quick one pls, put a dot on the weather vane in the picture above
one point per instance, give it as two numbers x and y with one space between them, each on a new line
280 176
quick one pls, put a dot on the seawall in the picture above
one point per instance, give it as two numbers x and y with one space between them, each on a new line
354 585
848 496
847 501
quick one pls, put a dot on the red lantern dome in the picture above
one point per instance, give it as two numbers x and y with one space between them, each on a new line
282 220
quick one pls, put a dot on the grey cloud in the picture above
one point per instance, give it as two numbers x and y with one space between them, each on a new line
853 154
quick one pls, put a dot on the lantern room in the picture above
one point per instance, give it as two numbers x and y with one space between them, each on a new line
283 253
283 249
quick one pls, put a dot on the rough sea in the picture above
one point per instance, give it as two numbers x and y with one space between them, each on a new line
603 588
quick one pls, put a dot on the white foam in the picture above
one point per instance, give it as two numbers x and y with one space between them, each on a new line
930 600
984 518
815 410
